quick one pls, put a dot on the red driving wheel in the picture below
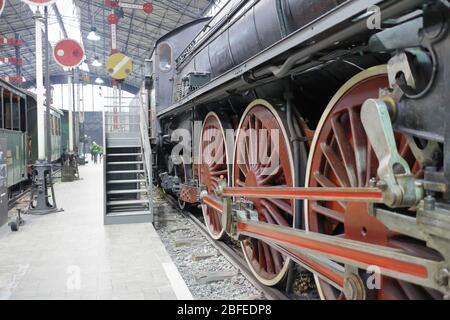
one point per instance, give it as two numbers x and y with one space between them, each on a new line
341 156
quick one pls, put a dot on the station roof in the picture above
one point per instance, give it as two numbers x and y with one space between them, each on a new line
137 33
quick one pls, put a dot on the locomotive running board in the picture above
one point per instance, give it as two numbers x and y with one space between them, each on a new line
317 252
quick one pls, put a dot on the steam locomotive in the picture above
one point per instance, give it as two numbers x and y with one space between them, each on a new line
358 93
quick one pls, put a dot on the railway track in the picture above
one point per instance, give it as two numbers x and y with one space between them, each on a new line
232 255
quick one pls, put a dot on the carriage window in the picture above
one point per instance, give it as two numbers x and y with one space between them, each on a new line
16 112
7 110
165 57
53 125
23 115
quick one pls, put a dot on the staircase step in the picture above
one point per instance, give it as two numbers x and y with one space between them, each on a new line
125 162
127 191
125 181
123 154
126 202
124 171
127 213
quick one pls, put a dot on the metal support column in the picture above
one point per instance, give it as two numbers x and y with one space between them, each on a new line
48 93
74 144
40 88
70 171
18 65
42 185
70 115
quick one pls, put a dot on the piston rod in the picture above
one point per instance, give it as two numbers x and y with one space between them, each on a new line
369 195
390 262
319 249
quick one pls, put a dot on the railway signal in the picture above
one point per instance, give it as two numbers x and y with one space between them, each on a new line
147 7
11 41
114 18
68 53
11 60
16 78
40 2
119 66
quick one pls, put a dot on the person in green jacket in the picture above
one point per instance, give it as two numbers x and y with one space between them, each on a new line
95 151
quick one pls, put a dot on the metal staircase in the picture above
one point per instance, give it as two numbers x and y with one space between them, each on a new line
128 164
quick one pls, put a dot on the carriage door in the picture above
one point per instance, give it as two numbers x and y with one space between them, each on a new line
3 183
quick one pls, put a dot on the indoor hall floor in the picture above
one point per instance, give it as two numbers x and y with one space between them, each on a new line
72 255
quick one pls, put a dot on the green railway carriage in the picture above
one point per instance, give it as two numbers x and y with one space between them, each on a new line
18 125
65 130
55 132
13 128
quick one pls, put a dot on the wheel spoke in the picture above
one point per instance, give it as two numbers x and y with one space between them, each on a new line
212 218
219 172
336 165
277 259
268 256
283 205
261 257
240 183
244 169
267 169
346 151
360 146
243 160
269 176
327 183
219 156
324 181
412 292
274 213
338 216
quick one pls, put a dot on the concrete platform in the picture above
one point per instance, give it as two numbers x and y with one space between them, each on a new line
72 255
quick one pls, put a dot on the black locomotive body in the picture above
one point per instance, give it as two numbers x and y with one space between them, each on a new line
307 68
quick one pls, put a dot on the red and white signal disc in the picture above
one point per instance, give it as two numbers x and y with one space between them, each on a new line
40 2
68 53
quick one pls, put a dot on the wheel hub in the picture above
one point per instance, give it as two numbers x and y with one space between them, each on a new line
354 287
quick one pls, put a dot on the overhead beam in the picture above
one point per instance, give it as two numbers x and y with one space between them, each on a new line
63 79
60 21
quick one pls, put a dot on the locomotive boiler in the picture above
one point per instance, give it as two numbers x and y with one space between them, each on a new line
357 92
